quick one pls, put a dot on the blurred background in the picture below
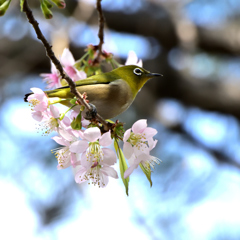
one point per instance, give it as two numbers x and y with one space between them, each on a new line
195 107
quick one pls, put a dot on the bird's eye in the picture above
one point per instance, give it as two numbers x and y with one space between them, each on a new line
137 71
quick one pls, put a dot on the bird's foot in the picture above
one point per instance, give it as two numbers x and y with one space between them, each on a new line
91 114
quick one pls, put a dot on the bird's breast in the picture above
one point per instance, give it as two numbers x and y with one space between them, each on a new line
110 99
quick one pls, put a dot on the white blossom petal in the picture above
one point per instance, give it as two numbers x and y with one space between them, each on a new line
37 91
85 161
79 146
129 171
38 116
109 171
80 175
139 126
140 149
61 141
152 143
67 58
149 132
92 134
132 59
109 157
127 150
54 110
126 135
106 139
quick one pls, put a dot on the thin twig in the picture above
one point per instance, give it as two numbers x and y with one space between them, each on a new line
101 29
57 64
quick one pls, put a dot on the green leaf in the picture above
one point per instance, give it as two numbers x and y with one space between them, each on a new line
4 6
122 165
147 172
77 122
21 4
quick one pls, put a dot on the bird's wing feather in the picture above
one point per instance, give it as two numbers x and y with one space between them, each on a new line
64 92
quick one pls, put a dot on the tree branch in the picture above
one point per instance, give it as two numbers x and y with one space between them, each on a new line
58 65
101 29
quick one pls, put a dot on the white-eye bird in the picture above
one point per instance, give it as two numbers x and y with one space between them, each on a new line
111 93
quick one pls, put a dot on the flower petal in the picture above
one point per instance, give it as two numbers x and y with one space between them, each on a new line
38 116
85 161
61 141
140 149
127 135
79 176
67 58
92 134
106 139
104 180
54 110
152 143
79 146
37 90
149 132
127 150
139 126
74 161
129 171
109 171
109 157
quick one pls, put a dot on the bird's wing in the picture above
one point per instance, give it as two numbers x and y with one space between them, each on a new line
64 92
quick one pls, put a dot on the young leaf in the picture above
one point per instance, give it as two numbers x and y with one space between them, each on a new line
122 165
147 172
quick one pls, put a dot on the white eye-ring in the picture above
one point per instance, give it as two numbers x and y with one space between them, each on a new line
138 71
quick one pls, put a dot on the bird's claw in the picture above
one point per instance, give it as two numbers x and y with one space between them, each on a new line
91 114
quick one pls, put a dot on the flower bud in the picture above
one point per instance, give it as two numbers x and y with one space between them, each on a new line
45 10
59 3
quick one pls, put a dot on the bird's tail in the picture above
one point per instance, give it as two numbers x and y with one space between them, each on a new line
26 96
63 92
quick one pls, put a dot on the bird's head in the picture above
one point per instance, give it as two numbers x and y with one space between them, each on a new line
135 76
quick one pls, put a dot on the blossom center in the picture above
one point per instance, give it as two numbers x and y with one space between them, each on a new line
94 152
34 103
135 138
48 126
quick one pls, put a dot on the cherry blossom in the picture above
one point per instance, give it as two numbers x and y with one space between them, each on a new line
38 100
68 62
95 160
132 59
52 79
50 121
138 142
64 156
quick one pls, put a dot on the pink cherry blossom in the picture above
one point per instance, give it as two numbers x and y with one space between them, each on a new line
98 175
64 156
52 79
95 159
68 62
138 142
49 120
133 59
38 100
91 147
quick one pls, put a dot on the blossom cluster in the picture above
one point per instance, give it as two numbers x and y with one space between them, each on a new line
86 148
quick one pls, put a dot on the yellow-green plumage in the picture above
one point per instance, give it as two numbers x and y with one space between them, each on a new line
112 92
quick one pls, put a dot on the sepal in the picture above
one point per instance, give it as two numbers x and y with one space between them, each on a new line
122 165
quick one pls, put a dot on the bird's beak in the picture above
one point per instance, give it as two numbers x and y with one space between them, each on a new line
151 75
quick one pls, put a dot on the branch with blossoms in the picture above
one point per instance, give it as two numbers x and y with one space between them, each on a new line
84 146
86 143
